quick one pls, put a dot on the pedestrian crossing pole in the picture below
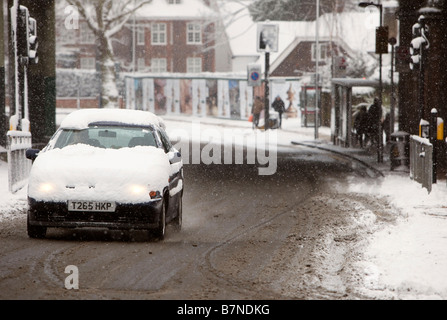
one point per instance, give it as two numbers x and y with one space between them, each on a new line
3 117
267 41
317 62
267 91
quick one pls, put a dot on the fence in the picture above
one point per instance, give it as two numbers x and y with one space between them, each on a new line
18 165
421 161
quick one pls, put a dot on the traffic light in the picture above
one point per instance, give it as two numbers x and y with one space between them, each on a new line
419 43
22 32
27 42
32 41
382 40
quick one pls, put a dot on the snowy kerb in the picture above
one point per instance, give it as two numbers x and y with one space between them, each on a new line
408 259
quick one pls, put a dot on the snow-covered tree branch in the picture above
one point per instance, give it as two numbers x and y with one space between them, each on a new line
105 18
295 10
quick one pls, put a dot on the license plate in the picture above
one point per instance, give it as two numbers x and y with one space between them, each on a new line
92 206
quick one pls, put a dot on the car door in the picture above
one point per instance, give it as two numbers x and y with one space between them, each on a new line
176 176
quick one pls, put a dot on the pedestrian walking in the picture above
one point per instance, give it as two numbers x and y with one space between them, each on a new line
374 121
279 106
386 127
258 106
361 125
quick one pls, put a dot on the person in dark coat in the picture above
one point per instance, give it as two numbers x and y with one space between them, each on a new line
279 106
361 125
386 127
374 120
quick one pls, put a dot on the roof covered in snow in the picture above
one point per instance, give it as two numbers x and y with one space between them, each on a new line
356 29
190 9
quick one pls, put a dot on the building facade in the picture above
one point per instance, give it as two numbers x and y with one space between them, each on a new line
174 36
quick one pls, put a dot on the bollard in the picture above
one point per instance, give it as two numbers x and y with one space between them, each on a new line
400 150
433 137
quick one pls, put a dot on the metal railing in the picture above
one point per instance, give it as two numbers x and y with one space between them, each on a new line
421 161
18 165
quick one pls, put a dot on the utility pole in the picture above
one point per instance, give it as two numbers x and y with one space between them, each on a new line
3 117
267 91
267 41
392 41
15 121
317 62
381 48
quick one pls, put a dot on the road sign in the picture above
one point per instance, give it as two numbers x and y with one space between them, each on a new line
267 37
254 73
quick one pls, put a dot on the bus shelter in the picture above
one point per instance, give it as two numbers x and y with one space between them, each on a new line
341 111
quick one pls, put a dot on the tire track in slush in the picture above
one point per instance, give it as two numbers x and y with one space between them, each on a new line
239 285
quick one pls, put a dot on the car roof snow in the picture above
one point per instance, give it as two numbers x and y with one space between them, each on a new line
81 119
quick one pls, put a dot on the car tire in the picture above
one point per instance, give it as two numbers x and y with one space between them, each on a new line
160 231
177 222
36 232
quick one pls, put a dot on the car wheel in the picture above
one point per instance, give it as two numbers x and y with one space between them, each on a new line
36 232
177 222
161 229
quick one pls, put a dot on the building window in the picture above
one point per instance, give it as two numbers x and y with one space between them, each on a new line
140 35
158 32
141 64
87 35
323 52
174 1
158 65
194 65
194 33
88 63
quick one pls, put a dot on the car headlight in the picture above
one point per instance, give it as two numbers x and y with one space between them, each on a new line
137 189
46 187
141 190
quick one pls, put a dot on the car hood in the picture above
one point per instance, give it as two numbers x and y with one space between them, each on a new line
82 172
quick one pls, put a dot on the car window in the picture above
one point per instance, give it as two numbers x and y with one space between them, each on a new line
109 137
167 145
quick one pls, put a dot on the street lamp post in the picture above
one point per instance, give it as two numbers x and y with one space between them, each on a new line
392 41
317 62
379 133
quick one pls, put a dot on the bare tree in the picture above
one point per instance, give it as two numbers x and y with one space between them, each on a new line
295 10
105 18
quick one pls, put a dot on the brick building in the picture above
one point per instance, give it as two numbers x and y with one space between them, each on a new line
176 36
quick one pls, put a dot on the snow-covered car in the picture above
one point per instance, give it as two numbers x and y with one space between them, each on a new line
106 168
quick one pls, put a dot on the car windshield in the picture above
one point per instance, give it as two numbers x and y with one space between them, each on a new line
109 137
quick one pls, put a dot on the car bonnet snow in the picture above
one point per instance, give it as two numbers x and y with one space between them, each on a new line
112 172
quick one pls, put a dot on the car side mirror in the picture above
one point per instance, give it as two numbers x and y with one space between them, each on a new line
174 157
32 154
